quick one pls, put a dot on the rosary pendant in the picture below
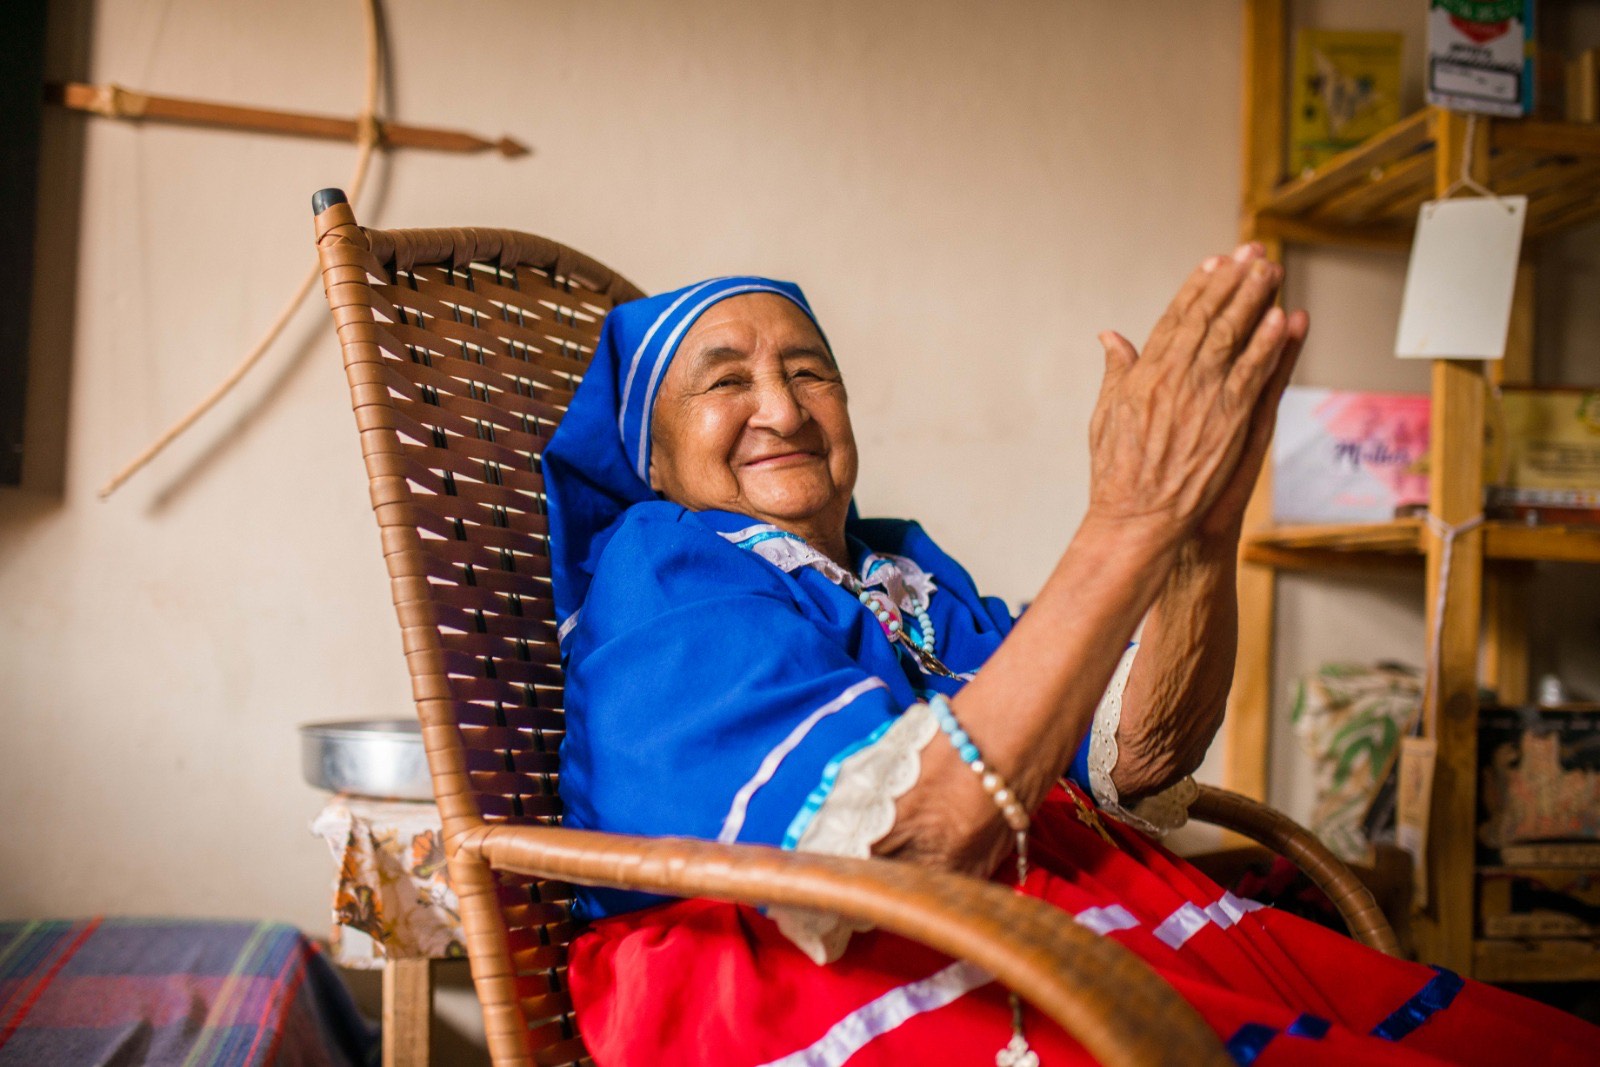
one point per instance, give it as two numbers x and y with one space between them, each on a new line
926 660
1016 1053
1090 818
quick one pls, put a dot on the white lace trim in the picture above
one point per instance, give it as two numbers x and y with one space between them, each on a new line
785 551
904 581
858 812
1156 815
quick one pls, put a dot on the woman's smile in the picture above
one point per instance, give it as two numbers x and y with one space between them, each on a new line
782 459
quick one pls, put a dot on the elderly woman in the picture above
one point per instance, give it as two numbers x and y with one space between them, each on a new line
749 661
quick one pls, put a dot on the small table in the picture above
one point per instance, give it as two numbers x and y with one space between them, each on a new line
108 989
393 908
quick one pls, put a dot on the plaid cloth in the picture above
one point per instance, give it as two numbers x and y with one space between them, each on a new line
167 991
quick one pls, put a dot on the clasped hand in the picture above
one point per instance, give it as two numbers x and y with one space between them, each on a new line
1180 429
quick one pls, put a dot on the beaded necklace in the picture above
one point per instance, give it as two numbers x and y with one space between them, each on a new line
882 607
1017 1052
882 604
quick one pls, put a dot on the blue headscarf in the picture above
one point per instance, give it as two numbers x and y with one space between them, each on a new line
598 464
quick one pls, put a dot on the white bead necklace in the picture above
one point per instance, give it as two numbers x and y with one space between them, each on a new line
921 647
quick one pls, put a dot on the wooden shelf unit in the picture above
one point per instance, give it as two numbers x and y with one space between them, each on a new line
1368 197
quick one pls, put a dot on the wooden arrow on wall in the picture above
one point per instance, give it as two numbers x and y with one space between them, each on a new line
114 101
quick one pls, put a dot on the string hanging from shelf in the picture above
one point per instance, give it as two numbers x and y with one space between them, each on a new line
1448 534
1465 180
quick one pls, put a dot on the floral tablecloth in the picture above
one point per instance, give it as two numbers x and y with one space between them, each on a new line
392 897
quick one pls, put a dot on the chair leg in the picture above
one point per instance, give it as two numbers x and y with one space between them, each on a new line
407 1012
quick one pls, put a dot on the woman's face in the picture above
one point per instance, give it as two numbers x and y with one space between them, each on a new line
752 418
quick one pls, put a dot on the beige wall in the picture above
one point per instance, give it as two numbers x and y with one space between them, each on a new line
968 192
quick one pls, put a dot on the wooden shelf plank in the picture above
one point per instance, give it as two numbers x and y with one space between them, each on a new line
1450 706
1575 215
1264 79
1367 196
1401 535
1247 724
1548 177
1328 561
1555 544
1379 237
1352 166
1396 182
1535 961
1359 545
1265 83
1556 138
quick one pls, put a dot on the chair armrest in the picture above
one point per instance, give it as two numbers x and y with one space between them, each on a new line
1098 991
1281 834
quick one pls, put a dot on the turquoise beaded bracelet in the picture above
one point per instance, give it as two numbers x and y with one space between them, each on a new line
1017 1051
1011 808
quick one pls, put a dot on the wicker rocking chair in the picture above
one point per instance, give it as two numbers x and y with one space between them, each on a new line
462 348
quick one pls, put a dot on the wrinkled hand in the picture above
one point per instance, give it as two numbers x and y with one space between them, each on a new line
1173 425
1221 524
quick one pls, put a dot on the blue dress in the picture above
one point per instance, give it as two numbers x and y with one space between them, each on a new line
719 673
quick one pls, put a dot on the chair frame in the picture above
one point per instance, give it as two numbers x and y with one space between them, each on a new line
461 347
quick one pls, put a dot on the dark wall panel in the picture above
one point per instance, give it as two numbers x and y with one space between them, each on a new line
22 27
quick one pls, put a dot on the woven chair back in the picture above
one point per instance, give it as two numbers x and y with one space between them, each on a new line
462 348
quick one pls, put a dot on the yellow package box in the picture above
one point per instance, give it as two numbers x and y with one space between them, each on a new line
1551 438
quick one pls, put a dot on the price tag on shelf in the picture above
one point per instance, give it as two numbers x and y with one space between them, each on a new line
1414 806
1463 270
1479 56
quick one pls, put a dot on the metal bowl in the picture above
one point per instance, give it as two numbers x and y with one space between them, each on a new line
380 758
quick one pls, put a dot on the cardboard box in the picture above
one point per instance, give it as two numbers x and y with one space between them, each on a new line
1346 88
1550 437
1539 784
1344 456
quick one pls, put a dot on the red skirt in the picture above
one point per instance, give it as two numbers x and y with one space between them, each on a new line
698 982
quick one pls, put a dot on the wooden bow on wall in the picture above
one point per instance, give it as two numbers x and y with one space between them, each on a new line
366 130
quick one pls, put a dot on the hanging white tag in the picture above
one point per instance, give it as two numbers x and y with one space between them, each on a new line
1463 270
